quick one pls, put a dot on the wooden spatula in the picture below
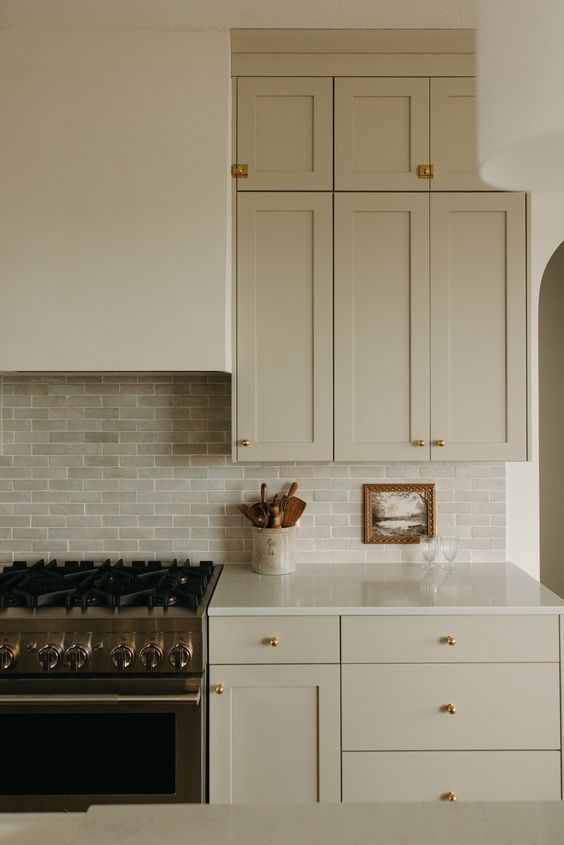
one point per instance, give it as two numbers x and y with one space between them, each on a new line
292 512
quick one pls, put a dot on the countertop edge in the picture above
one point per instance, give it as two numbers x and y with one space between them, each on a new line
385 611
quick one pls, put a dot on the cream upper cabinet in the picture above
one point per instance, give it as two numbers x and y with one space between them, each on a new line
453 136
284 326
386 128
381 327
478 327
473 315
275 734
381 133
285 133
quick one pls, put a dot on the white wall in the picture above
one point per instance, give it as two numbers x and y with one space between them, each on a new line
115 200
546 222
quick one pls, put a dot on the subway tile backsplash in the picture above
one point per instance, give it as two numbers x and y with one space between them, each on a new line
139 466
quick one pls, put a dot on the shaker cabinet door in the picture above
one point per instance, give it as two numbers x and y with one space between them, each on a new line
453 136
381 134
284 327
275 734
285 133
381 327
478 327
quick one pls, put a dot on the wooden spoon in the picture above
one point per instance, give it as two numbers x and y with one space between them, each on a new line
248 511
292 512
260 514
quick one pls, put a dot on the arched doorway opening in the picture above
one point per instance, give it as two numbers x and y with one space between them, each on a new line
551 423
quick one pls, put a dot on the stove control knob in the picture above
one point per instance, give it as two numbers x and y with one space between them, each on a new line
49 656
179 657
151 656
122 657
77 657
7 657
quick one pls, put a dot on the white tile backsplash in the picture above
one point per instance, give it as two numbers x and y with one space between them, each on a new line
139 466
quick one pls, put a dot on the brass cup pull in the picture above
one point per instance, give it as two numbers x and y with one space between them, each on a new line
419 442
440 442
450 796
450 640
220 689
451 708
245 442
274 641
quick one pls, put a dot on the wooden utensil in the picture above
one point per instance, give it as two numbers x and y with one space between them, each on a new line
260 514
292 512
263 493
248 511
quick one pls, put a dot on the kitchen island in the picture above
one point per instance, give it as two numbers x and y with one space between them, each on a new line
379 824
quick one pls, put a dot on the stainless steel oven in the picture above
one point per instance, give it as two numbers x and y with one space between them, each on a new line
102 684
64 750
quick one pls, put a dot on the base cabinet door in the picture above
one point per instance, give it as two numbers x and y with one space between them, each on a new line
451 776
274 734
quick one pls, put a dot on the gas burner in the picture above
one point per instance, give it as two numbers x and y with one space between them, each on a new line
114 585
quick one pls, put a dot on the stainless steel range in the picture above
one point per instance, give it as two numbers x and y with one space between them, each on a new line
102 683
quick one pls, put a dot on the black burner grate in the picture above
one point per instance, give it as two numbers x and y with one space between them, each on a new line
83 584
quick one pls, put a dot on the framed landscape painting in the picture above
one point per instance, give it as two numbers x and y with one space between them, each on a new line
398 513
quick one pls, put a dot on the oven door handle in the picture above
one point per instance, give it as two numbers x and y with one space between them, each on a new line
183 698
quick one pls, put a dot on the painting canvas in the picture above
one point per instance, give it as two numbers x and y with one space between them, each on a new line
398 513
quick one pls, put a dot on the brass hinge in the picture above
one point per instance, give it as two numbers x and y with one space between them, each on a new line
425 171
240 171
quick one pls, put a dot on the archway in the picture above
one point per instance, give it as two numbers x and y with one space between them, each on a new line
551 423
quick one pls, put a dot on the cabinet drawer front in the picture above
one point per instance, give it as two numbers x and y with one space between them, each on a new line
299 639
470 775
424 639
498 706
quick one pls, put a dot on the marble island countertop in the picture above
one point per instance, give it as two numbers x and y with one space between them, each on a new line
376 589
326 824
43 828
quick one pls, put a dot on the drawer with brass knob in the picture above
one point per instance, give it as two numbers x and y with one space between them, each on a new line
450 776
478 706
450 639
274 639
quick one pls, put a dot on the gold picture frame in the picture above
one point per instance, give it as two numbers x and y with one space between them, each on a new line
398 513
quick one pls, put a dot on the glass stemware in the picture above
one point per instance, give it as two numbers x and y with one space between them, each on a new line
449 548
429 551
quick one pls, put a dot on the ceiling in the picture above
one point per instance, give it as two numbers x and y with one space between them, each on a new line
227 14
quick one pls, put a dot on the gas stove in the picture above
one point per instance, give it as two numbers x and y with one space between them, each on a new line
99 619
103 683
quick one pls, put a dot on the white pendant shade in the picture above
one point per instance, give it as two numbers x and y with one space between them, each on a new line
521 94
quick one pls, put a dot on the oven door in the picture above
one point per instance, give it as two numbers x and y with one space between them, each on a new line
66 750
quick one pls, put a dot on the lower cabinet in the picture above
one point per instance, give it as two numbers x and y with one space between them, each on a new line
274 734
451 775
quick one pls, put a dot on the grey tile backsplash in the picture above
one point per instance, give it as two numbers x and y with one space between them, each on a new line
139 466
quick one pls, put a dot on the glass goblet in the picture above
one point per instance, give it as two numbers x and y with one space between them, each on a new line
449 548
429 552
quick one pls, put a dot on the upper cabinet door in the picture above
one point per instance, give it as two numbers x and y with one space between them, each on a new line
284 327
478 327
381 327
285 133
453 136
381 134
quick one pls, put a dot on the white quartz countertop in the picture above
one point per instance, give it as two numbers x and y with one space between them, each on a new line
376 589
39 828
326 824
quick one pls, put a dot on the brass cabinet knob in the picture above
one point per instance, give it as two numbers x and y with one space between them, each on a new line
450 640
419 442
274 641
245 442
451 708
220 689
440 442
450 796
